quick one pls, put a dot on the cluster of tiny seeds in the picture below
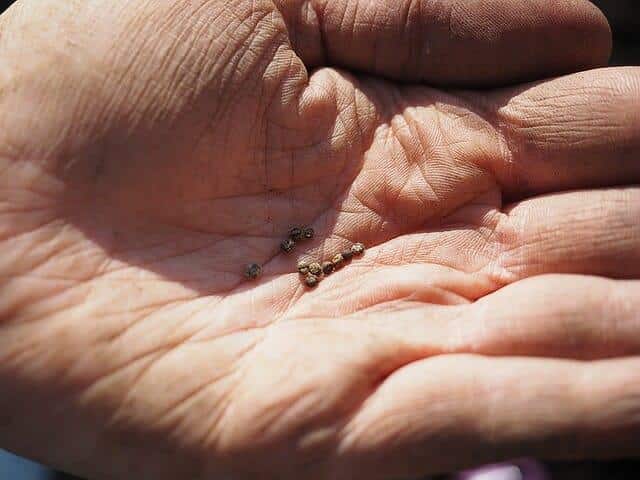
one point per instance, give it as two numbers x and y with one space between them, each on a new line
312 272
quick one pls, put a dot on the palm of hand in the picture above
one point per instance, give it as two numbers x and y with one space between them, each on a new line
151 207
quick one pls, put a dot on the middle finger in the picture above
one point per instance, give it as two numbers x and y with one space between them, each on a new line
589 232
577 131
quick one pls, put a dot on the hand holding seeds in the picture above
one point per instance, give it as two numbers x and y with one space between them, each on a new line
148 149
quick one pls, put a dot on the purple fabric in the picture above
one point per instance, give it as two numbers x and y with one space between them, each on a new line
517 470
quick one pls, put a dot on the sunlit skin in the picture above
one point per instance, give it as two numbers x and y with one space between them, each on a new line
151 150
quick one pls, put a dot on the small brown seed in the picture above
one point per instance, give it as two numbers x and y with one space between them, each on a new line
347 255
252 271
303 267
296 234
308 232
357 248
311 280
287 245
337 260
328 267
315 269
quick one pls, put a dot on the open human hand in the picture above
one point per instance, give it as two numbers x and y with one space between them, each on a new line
149 150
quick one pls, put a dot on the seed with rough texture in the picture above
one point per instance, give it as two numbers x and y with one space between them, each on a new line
357 248
328 267
296 234
315 269
347 255
303 267
287 245
308 232
252 271
311 280
337 260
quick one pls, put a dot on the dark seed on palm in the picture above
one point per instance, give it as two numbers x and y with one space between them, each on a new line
287 245
296 234
328 267
337 260
308 232
303 267
357 248
315 269
311 280
347 255
252 271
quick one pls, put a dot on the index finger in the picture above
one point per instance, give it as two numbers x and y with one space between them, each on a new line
477 43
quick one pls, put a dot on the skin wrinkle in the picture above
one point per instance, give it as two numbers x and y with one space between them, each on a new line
491 242
347 433
110 106
204 25
212 117
158 310
528 129
23 352
48 223
69 249
375 56
252 35
414 165
391 126
405 29
500 136
155 355
172 426
318 13
129 69
382 294
189 396
163 259
494 239
312 13
29 302
550 243
355 409
425 149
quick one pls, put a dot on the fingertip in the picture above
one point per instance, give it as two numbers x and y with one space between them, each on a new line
596 31
539 39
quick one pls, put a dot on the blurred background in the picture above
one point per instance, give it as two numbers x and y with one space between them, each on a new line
624 16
